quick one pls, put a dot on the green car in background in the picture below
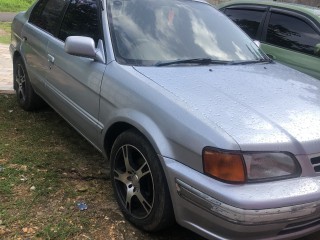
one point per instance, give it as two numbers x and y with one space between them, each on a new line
289 33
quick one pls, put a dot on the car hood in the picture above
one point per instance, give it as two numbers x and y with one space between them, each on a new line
263 107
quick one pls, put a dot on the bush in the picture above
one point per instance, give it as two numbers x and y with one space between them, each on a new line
15 5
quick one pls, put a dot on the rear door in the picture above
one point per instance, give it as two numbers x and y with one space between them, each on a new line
73 83
290 38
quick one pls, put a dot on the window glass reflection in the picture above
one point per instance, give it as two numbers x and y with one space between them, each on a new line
81 19
149 31
248 20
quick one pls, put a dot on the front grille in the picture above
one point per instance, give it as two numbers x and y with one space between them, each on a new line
315 161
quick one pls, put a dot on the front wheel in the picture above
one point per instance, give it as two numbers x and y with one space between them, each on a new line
139 183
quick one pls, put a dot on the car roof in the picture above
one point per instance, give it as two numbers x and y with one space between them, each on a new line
312 11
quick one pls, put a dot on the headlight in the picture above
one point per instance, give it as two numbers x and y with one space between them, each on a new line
240 167
261 166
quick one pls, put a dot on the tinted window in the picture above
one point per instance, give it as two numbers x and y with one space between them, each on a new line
248 20
35 16
81 19
291 32
46 14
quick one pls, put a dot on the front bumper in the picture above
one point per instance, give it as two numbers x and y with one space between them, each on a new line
246 216
285 209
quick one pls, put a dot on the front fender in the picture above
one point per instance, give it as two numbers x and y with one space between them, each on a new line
143 124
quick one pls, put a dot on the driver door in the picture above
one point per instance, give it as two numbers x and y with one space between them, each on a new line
73 82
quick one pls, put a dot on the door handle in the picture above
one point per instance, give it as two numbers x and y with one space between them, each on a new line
50 58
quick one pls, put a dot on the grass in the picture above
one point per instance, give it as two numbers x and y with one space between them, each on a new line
5 32
41 161
15 5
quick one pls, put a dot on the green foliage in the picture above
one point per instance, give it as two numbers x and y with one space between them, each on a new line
15 5
5 32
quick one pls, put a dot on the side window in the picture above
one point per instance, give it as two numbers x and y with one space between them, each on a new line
35 16
81 19
248 19
46 14
293 33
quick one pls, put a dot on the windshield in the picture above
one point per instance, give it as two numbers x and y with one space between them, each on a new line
150 32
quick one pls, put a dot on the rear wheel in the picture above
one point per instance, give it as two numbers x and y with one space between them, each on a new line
27 98
139 183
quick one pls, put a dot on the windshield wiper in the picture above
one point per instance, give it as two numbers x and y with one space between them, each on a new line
262 60
198 61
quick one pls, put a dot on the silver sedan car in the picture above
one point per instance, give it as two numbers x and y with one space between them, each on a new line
198 124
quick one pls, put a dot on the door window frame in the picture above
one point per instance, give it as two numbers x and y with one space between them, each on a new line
251 7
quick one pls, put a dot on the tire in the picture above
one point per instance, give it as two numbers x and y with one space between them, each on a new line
139 183
27 98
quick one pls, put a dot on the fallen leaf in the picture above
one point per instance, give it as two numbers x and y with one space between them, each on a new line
23 178
82 188
24 168
28 230
3 160
2 231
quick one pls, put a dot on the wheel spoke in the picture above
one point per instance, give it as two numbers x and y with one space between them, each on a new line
125 153
143 170
129 196
23 79
21 93
18 77
122 177
147 207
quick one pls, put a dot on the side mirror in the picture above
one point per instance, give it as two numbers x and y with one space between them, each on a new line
256 42
84 47
317 50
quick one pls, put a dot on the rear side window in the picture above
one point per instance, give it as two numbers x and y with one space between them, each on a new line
81 19
248 19
292 33
46 14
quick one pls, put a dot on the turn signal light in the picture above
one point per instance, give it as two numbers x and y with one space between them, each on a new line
224 166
